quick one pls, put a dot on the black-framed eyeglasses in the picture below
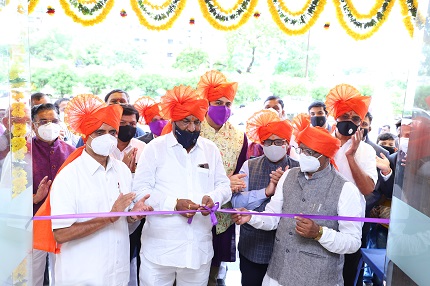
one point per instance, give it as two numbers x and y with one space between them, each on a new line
307 152
276 142
46 121
355 119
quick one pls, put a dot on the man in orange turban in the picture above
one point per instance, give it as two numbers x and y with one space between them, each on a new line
90 181
181 171
233 145
315 188
259 177
149 111
356 159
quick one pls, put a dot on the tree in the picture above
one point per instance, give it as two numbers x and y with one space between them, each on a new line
191 59
123 80
52 46
89 55
63 79
40 77
95 81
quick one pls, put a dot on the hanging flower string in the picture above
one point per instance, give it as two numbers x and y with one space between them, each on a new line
362 29
236 16
409 12
292 23
31 5
150 17
73 8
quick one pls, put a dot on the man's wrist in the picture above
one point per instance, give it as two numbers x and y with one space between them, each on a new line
320 233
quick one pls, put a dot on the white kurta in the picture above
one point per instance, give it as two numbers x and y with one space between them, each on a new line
365 157
167 172
101 258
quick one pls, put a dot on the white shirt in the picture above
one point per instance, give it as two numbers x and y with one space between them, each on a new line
365 157
134 143
346 240
101 258
167 172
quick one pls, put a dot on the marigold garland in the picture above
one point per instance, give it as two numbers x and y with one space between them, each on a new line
291 13
359 16
408 9
19 181
170 14
306 20
214 15
156 7
31 5
226 11
371 26
104 5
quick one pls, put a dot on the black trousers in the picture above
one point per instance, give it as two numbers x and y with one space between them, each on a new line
252 273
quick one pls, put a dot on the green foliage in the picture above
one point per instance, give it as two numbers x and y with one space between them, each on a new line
63 79
150 83
247 92
289 87
40 77
95 81
319 93
89 55
123 80
191 59
52 47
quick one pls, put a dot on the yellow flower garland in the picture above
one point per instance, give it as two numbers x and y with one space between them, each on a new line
372 13
87 22
291 13
31 5
19 181
157 7
357 35
165 26
294 32
226 11
407 19
217 25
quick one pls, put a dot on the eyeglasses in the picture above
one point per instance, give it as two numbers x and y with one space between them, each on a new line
355 119
276 142
185 122
46 121
307 152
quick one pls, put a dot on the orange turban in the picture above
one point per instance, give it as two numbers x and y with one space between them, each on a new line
213 85
182 101
344 98
262 124
85 113
147 108
316 138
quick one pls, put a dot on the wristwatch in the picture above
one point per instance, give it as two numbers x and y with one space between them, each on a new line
320 233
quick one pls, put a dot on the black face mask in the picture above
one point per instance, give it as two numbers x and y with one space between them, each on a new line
126 133
365 132
318 121
346 128
389 149
185 138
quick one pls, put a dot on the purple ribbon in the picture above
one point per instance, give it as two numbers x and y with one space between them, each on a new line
212 211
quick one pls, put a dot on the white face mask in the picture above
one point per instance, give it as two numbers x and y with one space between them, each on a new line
103 145
49 132
275 153
309 164
403 144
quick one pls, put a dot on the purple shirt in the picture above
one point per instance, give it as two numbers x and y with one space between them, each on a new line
47 159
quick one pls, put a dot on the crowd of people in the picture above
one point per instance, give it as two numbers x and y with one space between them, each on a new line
91 156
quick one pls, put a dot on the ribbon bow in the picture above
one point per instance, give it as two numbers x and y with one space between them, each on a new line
212 211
